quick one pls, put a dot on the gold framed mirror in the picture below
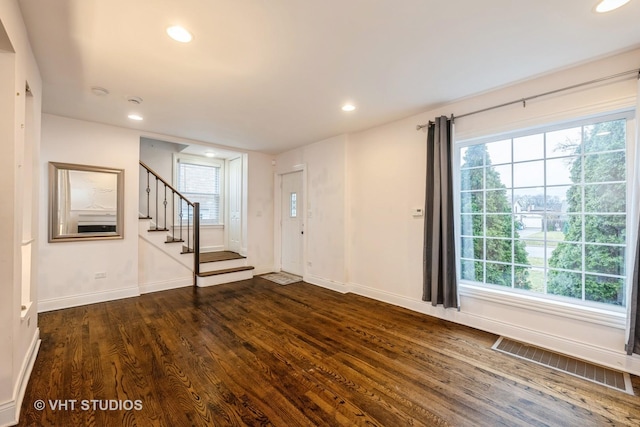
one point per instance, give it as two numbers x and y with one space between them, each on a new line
85 202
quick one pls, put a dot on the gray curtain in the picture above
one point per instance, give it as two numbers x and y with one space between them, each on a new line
633 345
440 283
633 341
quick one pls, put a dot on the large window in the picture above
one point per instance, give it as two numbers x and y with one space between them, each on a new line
200 181
545 212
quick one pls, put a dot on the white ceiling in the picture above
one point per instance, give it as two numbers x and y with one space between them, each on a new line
272 75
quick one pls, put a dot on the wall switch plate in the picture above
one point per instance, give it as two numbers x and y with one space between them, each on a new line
101 275
417 212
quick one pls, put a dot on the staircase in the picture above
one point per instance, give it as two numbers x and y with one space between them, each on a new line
181 240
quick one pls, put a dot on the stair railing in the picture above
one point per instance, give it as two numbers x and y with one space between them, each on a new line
160 189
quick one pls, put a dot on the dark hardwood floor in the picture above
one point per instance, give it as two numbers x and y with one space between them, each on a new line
257 353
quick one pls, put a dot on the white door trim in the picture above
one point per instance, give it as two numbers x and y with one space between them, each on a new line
277 217
234 195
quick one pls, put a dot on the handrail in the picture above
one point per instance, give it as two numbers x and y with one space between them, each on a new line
196 217
196 242
154 173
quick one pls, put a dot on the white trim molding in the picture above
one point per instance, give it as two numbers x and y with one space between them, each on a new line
10 410
327 283
89 298
263 269
277 215
612 319
487 321
165 285
216 248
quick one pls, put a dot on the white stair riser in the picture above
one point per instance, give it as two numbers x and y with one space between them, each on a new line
224 278
174 250
158 239
222 265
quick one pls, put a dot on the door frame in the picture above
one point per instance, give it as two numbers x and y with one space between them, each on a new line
227 206
277 217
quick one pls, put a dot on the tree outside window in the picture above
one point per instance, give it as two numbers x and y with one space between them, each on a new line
546 212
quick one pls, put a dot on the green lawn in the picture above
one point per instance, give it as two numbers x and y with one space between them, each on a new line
537 280
535 261
552 236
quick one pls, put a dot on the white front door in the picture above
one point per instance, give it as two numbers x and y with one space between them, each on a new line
235 205
292 206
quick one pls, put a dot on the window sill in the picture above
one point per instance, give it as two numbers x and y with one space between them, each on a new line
25 310
612 318
220 226
209 226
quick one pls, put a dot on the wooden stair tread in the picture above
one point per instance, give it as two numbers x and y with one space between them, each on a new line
152 230
174 240
225 271
144 217
206 257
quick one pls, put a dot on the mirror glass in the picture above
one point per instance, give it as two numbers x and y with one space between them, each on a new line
85 202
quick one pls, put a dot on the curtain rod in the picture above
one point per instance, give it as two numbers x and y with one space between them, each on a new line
524 100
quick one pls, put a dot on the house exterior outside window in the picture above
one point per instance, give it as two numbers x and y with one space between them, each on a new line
544 212
200 180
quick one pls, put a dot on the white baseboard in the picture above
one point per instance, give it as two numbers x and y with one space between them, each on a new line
327 283
602 356
84 299
165 285
617 360
216 248
10 411
264 269
223 279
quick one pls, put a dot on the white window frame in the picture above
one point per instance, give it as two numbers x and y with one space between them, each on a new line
204 161
601 313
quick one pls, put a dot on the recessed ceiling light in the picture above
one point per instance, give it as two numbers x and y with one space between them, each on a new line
179 34
99 91
210 154
348 107
609 5
134 100
136 117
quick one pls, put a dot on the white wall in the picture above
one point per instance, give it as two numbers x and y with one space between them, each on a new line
258 232
158 271
68 269
324 165
19 137
384 174
158 155
133 266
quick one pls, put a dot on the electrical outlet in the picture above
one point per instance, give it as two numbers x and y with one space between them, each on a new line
101 275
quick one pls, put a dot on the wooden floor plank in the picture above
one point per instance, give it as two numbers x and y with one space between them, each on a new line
258 353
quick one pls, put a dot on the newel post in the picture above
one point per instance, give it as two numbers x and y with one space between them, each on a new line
196 242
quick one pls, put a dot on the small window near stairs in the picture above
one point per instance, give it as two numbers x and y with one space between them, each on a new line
200 180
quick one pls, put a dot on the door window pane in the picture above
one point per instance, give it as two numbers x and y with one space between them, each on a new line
293 205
